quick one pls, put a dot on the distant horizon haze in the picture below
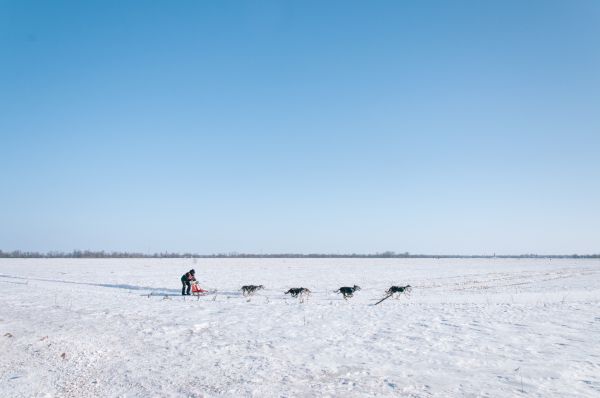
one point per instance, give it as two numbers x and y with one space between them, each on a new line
234 254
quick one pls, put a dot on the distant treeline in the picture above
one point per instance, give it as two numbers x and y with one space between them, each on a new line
387 254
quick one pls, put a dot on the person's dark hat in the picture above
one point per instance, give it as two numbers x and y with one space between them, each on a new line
192 271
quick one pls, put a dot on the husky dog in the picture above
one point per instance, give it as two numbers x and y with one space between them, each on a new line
298 292
399 290
347 292
249 290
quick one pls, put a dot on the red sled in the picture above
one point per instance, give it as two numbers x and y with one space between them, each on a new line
197 290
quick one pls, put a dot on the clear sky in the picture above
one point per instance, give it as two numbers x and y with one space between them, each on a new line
300 126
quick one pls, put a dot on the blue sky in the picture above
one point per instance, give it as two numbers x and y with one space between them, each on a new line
300 126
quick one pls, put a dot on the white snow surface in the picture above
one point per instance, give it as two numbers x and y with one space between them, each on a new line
470 328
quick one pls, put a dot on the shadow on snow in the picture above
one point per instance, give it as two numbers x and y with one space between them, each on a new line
109 285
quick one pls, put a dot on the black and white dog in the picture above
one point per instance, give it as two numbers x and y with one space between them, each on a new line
347 291
398 290
298 292
249 290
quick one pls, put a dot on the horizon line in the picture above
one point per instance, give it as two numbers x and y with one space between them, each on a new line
234 254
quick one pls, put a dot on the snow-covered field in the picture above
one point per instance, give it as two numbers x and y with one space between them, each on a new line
104 328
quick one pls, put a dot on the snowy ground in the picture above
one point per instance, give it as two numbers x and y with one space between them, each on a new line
81 328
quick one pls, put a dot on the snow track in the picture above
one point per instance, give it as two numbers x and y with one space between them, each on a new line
88 328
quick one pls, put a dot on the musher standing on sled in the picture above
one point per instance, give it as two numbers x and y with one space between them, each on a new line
185 281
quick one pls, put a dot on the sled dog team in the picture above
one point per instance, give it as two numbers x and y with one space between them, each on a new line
188 281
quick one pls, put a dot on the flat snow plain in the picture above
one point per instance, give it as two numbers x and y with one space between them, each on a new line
471 328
